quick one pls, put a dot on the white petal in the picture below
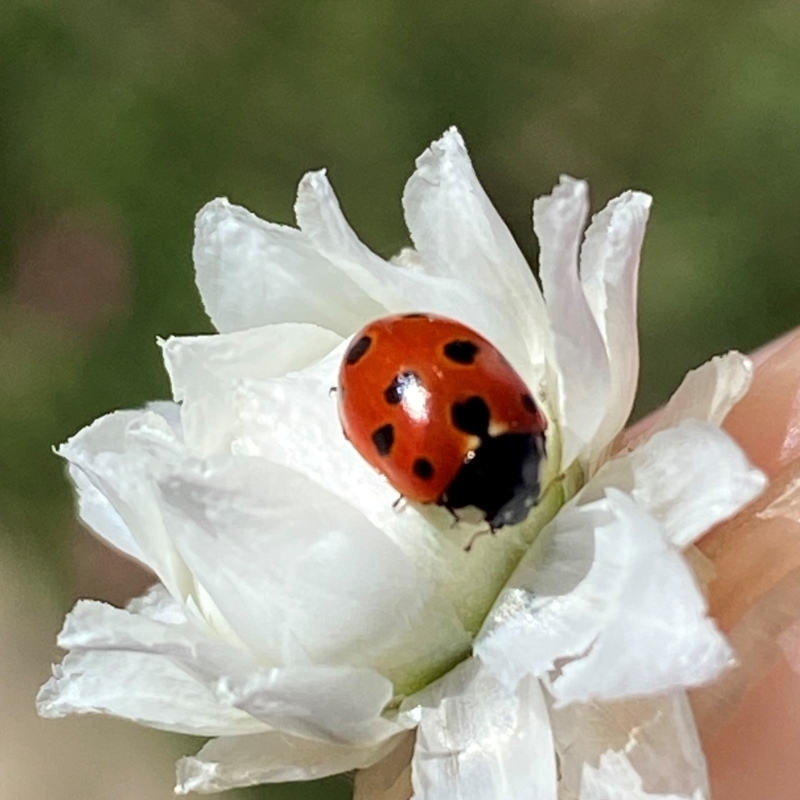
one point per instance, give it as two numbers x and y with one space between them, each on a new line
157 604
580 354
657 734
129 665
100 516
232 695
145 688
609 275
271 757
707 393
171 412
302 576
458 233
294 421
658 619
397 288
252 273
548 610
616 779
116 455
320 218
477 740
338 704
638 597
689 478
157 624
206 370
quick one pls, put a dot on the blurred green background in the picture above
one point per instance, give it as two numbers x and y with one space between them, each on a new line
120 118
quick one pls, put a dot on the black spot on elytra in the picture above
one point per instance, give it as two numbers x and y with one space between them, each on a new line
527 402
397 388
357 350
383 439
471 416
423 468
462 351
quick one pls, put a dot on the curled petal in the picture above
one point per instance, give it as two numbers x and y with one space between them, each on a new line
131 664
252 273
99 515
667 644
707 393
398 288
478 740
547 611
580 353
458 233
321 219
113 462
145 688
270 757
609 276
205 372
337 704
190 681
689 478
617 607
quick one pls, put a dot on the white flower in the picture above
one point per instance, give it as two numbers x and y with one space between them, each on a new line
308 625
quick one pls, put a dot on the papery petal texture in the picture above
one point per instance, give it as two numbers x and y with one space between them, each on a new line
272 757
707 393
97 513
172 675
583 378
205 372
547 614
471 298
609 271
252 273
477 740
117 457
133 665
458 233
667 645
689 478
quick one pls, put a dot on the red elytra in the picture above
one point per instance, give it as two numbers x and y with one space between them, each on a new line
441 413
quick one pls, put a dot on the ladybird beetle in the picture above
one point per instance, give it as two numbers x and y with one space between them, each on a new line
439 411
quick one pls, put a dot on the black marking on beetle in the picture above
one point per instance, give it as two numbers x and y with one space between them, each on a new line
383 439
358 350
462 351
396 389
415 315
471 416
527 402
423 468
502 479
